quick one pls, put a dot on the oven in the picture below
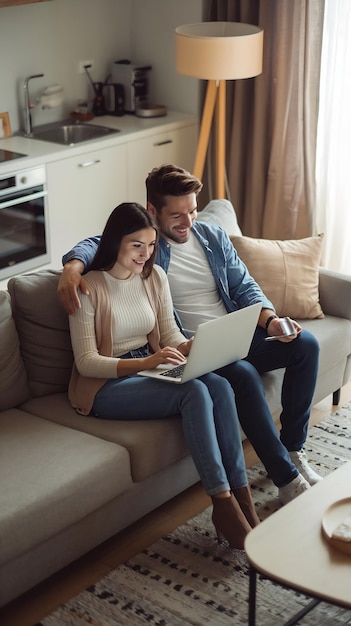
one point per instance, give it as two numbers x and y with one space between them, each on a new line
23 221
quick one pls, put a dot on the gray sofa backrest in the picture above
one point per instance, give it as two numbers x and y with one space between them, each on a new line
43 331
13 378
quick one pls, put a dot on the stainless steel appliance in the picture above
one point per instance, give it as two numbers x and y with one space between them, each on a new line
114 98
134 79
23 221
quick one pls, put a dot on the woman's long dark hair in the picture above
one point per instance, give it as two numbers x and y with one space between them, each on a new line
125 219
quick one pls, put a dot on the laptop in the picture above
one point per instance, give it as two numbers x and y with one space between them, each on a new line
216 343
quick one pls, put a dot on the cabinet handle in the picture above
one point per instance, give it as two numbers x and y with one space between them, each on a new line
89 163
163 143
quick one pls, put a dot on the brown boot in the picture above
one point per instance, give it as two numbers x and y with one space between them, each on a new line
243 496
229 521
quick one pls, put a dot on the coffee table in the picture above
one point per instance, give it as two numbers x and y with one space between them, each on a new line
290 548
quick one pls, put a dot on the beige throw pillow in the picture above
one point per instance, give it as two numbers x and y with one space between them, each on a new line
287 272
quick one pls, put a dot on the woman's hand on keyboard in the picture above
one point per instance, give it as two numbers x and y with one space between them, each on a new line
167 355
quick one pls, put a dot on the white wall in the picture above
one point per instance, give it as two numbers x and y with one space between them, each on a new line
153 42
52 37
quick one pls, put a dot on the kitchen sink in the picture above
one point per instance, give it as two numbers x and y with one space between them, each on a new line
70 133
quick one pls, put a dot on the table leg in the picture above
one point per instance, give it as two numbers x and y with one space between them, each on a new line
296 618
252 596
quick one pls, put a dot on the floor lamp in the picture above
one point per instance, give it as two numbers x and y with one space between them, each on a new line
217 52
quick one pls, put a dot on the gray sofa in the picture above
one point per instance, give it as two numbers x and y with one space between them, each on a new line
69 482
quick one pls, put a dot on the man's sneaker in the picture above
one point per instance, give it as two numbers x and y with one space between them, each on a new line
299 459
293 489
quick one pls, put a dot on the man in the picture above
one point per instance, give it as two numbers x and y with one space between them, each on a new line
207 279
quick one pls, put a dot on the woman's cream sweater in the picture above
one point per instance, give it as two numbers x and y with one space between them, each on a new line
82 388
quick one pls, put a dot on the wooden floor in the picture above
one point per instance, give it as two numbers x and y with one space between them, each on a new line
31 607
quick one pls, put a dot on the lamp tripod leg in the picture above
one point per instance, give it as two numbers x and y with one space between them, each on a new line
220 148
207 116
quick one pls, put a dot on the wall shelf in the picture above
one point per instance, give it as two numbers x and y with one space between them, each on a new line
11 3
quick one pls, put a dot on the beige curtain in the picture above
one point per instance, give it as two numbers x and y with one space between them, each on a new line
272 119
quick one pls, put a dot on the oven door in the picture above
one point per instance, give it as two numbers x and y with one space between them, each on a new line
23 236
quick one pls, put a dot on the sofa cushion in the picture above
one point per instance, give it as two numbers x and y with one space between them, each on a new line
334 338
153 445
43 330
13 380
222 213
52 477
287 272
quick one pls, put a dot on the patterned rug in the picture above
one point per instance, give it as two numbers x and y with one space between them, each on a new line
188 578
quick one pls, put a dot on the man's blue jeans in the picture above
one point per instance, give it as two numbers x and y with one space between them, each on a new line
209 420
300 358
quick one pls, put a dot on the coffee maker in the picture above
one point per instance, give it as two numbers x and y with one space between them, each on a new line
99 99
134 79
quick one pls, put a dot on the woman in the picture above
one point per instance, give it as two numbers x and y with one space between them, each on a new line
126 325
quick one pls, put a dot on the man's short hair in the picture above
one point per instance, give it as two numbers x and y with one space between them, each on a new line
170 180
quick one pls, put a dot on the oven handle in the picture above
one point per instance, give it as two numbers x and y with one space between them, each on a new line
22 199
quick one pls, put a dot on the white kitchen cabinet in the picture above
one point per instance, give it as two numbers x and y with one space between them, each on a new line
82 192
86 181
174 146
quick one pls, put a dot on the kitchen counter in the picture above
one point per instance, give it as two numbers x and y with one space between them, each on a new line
131 127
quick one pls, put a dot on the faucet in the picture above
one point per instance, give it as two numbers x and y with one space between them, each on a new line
28 106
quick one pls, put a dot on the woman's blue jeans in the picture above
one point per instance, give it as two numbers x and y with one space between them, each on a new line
209 420
300 360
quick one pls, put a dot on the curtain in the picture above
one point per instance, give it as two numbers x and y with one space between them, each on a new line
334 137
272 119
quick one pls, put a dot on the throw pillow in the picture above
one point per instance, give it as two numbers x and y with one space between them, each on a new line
13 379
287 272
222 213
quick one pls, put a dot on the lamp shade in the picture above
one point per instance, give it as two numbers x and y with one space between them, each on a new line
219 50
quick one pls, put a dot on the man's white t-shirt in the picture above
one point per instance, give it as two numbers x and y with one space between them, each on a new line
194 291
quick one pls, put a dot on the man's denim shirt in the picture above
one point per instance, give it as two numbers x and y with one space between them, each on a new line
236 287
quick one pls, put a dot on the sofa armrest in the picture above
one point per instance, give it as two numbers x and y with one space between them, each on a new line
335 293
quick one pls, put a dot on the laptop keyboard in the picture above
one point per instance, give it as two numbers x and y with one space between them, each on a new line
175 372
